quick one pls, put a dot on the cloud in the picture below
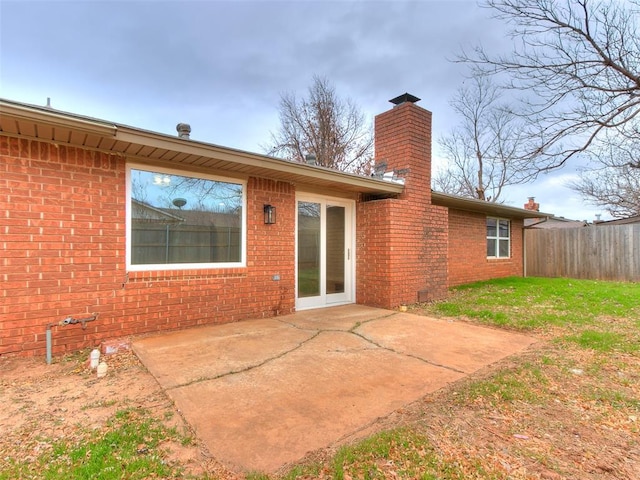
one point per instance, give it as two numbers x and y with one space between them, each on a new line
222 65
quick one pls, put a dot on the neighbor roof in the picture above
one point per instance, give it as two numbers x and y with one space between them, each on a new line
555 222
619 221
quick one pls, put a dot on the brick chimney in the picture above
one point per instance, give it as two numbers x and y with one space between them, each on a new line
403 142
531 205
403 242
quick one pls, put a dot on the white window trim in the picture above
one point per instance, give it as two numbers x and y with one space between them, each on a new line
183 266
497 238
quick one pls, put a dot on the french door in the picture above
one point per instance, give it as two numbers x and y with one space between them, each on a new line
324 252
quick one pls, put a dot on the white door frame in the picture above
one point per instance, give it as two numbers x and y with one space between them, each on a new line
349 295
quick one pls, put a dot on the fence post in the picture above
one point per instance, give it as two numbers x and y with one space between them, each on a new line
524 252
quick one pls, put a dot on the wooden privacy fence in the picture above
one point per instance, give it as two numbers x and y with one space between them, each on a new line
596 252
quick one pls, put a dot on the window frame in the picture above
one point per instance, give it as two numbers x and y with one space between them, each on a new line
497 238
183 266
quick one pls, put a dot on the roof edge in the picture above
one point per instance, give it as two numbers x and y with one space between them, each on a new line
139 136
57 118
481 206
171 142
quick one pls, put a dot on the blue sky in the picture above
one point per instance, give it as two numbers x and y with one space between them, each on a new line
221 66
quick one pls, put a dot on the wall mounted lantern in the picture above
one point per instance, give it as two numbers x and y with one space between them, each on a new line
269 214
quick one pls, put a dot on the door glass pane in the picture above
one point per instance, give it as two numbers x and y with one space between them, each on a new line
335 249
308 249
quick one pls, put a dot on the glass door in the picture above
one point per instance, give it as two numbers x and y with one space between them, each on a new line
324 253
309 249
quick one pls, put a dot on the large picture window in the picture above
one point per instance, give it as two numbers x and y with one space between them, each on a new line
498 238
179 220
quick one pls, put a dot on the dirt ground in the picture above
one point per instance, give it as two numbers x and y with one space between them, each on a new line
63 400
572 427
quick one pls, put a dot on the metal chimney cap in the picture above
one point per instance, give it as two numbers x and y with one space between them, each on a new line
405 97
184 129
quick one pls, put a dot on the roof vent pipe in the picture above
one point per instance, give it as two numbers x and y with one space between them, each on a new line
310 159
184 129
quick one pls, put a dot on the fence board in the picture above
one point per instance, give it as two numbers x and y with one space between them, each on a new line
598 253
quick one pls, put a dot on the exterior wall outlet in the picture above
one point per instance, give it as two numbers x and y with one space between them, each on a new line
276 278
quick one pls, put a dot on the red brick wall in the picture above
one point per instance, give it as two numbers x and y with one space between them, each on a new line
373 259
468 260
402 242
63 241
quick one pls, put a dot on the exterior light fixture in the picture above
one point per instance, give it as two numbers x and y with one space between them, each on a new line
269 214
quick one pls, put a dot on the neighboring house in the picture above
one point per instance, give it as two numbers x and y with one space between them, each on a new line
154 232
618 221
159 235
546 221
554 222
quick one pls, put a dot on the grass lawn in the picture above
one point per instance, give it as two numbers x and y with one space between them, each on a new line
308 282
127 447
567 409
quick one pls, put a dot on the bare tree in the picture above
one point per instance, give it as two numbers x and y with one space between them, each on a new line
576 64
611 182
483 151
325 126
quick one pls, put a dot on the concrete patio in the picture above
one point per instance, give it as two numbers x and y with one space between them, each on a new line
263 393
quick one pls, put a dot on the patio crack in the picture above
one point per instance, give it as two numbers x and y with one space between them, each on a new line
364 322
389 349
298 327
248 368
358 324
350 330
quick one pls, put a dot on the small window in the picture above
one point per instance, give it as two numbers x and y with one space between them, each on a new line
179 220
498 238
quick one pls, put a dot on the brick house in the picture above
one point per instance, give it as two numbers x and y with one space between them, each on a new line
141 232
